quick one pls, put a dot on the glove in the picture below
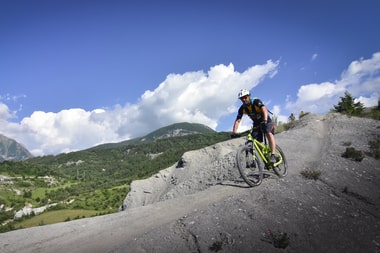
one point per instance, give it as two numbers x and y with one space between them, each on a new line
234 135
263 126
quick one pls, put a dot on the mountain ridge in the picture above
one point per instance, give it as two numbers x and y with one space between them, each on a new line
173 130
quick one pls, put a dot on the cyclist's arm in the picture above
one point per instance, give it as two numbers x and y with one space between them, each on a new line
264 110
237 120
236 125
265 113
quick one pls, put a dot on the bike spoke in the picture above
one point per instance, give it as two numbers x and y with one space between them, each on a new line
249 166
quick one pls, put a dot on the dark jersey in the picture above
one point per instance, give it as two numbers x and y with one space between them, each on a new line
253 110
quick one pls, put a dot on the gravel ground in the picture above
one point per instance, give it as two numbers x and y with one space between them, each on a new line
204 206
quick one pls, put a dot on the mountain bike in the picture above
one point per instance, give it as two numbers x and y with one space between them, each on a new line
253 159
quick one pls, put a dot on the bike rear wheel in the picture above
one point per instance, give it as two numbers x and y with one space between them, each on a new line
282 169
249 166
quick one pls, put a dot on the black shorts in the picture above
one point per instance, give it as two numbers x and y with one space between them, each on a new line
258 134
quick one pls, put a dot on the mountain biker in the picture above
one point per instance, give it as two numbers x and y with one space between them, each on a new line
258 113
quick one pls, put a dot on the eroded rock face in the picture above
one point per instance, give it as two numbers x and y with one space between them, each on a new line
203 206
200 170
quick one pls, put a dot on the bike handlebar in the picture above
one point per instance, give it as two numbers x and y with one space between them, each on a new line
254 128
237 135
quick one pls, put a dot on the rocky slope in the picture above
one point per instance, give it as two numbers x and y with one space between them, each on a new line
203 206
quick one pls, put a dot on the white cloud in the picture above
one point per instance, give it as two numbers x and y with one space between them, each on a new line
190 97
277 113
314 57
67 130
369 101
9 97
198 96
313 92
4 112
361 80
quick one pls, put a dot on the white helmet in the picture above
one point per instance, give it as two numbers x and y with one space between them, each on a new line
243 93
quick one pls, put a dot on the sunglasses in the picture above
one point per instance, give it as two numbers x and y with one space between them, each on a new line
244 98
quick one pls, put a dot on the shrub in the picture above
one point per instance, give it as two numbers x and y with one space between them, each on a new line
285 126
311 174
353 154
216 246
279 239
303 114
375 149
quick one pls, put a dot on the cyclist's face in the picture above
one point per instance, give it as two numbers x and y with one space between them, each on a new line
245 99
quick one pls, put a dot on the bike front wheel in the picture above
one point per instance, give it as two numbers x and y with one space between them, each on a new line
249 166
282 168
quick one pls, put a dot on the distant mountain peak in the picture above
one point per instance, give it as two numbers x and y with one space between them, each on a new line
173 130
12 150
177 129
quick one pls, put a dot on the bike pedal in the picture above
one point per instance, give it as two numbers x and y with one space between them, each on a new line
252 165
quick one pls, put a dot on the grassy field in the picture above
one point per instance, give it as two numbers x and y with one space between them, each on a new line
52 217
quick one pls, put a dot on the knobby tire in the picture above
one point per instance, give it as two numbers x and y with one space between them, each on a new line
249 166
282 169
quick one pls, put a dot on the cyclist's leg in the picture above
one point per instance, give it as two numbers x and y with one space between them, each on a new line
257 134
270 135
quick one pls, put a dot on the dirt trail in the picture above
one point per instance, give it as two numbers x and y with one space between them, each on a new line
205 207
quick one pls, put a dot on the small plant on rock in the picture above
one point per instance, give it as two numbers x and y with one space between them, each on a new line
279 239
311 174
353 154
375 149
216 246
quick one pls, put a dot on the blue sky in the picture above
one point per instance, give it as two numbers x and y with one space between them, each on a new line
74 74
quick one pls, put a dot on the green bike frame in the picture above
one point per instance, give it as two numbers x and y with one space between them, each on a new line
264 151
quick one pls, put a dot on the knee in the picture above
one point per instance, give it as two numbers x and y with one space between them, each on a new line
270 135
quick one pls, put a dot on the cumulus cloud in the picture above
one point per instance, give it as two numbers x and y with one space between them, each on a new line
4 112
52 133
201 97
198 96
361 79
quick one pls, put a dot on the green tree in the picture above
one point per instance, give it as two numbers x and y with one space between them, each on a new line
291 118
347 105
302 114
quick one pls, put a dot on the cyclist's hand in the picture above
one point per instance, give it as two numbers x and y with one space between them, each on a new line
263 126
235 135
